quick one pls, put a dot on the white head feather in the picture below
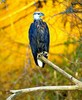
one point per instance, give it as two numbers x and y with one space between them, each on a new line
37 15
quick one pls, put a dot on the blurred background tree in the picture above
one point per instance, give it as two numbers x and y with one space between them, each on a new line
17 68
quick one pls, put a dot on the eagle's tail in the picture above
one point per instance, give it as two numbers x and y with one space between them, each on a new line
41 63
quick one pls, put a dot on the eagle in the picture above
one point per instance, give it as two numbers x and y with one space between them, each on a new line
39 38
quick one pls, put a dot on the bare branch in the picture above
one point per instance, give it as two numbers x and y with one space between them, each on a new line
11 96
71 78
17 92
77 86
69 10
74 87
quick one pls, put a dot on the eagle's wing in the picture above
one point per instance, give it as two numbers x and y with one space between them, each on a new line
32 40
47 38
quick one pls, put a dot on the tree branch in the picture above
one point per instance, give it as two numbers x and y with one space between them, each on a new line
71 78
26 90
77 86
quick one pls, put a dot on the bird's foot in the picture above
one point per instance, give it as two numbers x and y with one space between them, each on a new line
44 53
40 54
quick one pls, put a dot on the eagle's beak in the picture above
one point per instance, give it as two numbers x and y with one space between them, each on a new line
41 14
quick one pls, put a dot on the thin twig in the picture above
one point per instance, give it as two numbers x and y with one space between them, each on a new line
11 96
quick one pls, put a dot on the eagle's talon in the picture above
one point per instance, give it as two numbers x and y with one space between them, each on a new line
39 55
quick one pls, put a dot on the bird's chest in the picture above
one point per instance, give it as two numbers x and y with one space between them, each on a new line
39 29
40 36
40 32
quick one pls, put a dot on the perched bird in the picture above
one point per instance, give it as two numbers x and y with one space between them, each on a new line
39 38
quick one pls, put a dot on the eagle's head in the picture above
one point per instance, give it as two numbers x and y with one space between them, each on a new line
38 15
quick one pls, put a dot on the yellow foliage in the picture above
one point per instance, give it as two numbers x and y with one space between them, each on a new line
15 20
